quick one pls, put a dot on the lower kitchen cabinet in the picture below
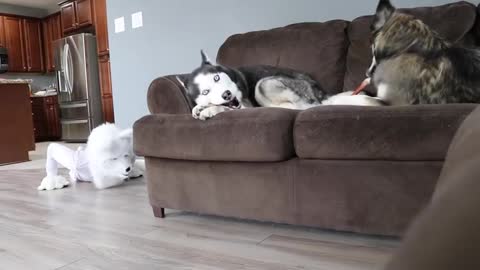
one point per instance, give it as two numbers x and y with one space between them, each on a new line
46 118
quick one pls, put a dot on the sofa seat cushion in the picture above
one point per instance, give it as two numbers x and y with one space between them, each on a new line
318 49
412 133
251 135
454 21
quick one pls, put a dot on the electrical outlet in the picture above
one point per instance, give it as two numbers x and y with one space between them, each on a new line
137 20
120 25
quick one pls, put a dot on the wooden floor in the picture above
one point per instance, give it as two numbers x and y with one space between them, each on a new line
84 228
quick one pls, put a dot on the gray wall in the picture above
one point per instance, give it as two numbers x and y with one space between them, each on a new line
175 31
24 11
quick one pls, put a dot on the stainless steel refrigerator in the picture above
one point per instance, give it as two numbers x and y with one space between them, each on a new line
78 86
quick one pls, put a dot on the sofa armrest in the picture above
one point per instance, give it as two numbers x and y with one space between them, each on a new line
448 227
167 95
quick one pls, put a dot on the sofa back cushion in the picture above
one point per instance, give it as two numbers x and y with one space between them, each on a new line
455 22
318 49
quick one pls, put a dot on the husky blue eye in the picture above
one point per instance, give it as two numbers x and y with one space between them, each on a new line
216 78
205 92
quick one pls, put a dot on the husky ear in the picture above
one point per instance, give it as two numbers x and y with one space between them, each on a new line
385 10
205 59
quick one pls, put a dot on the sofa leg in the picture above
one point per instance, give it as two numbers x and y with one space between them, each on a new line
158 212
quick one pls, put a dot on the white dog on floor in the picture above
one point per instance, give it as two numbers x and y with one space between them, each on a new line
107 161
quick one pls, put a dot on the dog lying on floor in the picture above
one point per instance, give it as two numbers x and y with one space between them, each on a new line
214 89
107 161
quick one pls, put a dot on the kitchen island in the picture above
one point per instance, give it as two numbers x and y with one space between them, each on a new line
16 132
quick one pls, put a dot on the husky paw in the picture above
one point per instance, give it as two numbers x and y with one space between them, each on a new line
53 182
212 111
197 110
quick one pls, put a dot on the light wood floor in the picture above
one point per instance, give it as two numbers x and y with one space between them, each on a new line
83 228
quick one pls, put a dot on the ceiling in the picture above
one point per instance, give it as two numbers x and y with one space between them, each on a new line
41 4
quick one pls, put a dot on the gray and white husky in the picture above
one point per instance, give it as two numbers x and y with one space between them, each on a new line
215 88
412 64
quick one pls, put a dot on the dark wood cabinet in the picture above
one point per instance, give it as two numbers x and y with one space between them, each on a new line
101 29
84 13
33 45
23 40
46 118
107 106
106 88
76 14
69 19
16 137
14 42
2 32
52 31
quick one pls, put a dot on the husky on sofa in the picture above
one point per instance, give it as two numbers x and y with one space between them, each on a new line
214 89
412 64
107 161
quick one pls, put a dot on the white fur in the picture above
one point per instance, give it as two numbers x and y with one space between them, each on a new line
54 182
206 82
209 112
374 62
107 161
110 152
394 98
346 98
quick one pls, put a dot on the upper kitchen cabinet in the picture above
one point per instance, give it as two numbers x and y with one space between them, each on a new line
76 15
14 42
33 45
24 44
52 30
84 13
101 29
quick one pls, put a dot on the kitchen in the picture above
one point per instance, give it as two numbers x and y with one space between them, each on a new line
55 81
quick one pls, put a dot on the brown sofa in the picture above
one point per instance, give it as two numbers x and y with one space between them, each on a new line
359 169
446 236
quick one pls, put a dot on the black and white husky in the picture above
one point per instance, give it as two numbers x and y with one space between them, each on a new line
214 89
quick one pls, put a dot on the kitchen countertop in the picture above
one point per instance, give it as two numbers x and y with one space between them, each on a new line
15 81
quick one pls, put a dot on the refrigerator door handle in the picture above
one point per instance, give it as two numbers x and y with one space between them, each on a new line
67 63
60 82
68 106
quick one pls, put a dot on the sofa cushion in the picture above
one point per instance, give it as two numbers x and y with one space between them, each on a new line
452 21
318 49
413 133
253 135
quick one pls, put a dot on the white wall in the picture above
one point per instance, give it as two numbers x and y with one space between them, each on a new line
175 31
